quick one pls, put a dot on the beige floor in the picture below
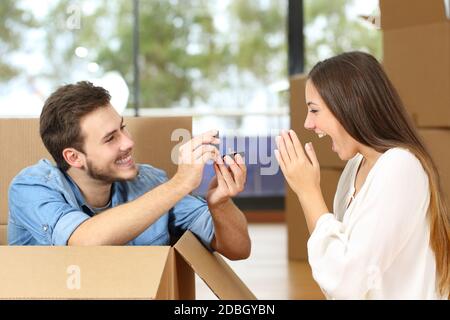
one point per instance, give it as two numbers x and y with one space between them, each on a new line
268 273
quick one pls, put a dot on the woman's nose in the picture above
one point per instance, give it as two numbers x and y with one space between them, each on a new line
309 124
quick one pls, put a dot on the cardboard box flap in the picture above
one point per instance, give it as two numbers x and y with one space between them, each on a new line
212 269
112 272
407 13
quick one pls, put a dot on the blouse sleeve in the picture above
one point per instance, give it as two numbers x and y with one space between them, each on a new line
347 260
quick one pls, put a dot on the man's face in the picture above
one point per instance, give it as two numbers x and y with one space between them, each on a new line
108 146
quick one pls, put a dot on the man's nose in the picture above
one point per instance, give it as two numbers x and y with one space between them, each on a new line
127 142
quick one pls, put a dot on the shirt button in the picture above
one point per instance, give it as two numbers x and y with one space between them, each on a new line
45 227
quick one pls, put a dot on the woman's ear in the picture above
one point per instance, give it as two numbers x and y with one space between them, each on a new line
73 157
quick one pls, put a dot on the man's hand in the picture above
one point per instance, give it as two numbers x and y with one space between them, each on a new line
192 157
228 182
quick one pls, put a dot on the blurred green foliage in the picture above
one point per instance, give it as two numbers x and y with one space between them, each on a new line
187 50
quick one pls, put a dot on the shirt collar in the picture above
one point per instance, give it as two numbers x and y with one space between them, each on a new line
114 200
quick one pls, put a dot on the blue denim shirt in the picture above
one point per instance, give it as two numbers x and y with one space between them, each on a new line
46 206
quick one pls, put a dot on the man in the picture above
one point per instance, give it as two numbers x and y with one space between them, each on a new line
97 195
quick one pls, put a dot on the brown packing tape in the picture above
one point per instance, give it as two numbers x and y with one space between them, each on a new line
81 272
152 137
214 271
298 233
3 235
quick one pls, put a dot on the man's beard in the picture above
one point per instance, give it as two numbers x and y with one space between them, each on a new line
102 175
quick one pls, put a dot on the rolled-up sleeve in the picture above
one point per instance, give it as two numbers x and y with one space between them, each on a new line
43 212
347 260
192 213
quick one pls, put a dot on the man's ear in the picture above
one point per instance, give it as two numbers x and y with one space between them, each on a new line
73 157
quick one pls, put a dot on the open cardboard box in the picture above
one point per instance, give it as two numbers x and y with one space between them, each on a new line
106 272
116 272
416 57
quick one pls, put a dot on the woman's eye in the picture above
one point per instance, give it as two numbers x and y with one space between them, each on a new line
123 127
110 139
313 111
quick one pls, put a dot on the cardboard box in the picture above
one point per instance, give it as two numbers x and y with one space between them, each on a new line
3 235
438 141
106 272
116 272
417 57
298 233
298 111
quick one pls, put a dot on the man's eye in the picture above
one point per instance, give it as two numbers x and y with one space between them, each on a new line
110 139
123 127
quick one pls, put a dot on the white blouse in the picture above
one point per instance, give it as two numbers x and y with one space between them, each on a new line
378 247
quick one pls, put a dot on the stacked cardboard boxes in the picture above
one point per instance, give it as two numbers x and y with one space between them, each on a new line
417 60
330 169
106 272
416 57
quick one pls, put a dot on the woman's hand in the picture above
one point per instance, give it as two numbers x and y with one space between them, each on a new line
302 173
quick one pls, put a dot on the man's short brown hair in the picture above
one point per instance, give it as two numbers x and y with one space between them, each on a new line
61 114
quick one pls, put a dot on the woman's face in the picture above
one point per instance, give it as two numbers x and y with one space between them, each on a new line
320 119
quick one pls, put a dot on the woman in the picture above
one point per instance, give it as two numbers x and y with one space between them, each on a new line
389 235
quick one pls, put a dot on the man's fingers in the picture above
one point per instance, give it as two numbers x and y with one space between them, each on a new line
205 138
207 156
220 179
227 177
200 151
238 174
240 162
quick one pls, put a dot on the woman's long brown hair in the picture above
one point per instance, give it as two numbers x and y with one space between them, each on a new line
358 92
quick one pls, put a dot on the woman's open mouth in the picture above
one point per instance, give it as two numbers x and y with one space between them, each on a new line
323 134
